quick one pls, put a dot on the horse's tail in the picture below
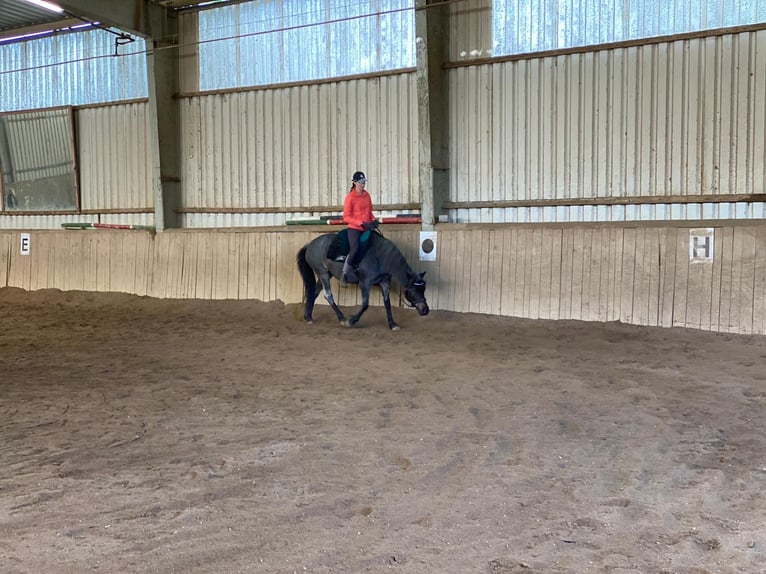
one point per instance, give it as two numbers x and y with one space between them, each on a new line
307 274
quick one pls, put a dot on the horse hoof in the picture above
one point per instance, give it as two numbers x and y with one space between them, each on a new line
345 323
395 328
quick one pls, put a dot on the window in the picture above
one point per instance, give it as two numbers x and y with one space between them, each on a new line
522 26
70 69
279 41
37 161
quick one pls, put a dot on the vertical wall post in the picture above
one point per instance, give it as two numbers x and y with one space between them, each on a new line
432 44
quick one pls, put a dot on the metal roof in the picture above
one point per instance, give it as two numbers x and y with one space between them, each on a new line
16 14
23 16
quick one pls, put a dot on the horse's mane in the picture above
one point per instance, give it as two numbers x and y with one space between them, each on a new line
390 258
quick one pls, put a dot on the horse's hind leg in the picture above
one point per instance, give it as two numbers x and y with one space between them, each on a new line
308 309
325 279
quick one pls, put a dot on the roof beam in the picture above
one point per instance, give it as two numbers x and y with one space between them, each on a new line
126 15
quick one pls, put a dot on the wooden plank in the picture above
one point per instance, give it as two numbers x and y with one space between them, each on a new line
759 295
505 240
462 266
597 283
91 263
158 266
727 255
641 279
203 284
5 257
481 251
526 240
694 297
78 260
577 278
551 274
532 274
704 286
104 262
746 294
283 264
601 257
220 264
114 265
652 270
519 270
505 294
232 286
64 261
667 276
627 277
562 286
39 252
176 247
495 272
144 254
590 270
614 274
242 244
475 250
680 291
188 286
715 280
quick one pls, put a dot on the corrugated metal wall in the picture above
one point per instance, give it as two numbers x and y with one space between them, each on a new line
297 147
679 118
114 157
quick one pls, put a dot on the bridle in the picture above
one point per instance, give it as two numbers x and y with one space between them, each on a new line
415 293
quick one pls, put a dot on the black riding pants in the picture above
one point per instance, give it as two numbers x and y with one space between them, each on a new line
353 245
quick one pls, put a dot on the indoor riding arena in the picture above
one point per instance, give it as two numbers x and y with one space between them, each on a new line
578 387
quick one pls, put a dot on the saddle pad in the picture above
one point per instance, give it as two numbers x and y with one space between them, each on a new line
339 247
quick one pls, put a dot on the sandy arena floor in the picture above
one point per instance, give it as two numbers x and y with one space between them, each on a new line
140 435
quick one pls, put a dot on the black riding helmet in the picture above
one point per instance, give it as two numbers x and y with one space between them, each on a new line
359 176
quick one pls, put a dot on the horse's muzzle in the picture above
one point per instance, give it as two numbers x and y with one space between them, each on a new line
422 308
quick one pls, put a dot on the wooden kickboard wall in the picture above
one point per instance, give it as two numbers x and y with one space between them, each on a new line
638 275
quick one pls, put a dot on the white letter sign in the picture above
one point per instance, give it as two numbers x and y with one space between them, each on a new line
25 243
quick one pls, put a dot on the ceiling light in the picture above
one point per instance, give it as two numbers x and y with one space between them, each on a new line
47 5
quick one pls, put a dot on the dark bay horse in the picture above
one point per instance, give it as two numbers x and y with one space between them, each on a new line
381 262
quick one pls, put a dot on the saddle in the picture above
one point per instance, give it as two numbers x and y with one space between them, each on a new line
339 248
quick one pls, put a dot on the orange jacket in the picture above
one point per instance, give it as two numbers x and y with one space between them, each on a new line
357 209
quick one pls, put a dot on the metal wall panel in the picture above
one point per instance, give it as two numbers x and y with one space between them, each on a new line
114 157
679 118
298 146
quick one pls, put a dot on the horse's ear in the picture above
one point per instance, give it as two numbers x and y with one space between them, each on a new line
423 274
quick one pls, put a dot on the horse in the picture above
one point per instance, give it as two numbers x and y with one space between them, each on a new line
380 261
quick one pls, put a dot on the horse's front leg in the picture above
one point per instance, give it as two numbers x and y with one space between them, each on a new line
385 289
325 278
354 319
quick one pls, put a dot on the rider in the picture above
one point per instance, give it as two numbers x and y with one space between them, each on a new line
357 213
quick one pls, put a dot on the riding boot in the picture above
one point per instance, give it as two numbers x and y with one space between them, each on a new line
344 275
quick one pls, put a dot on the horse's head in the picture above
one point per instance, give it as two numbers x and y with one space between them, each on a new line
415 292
